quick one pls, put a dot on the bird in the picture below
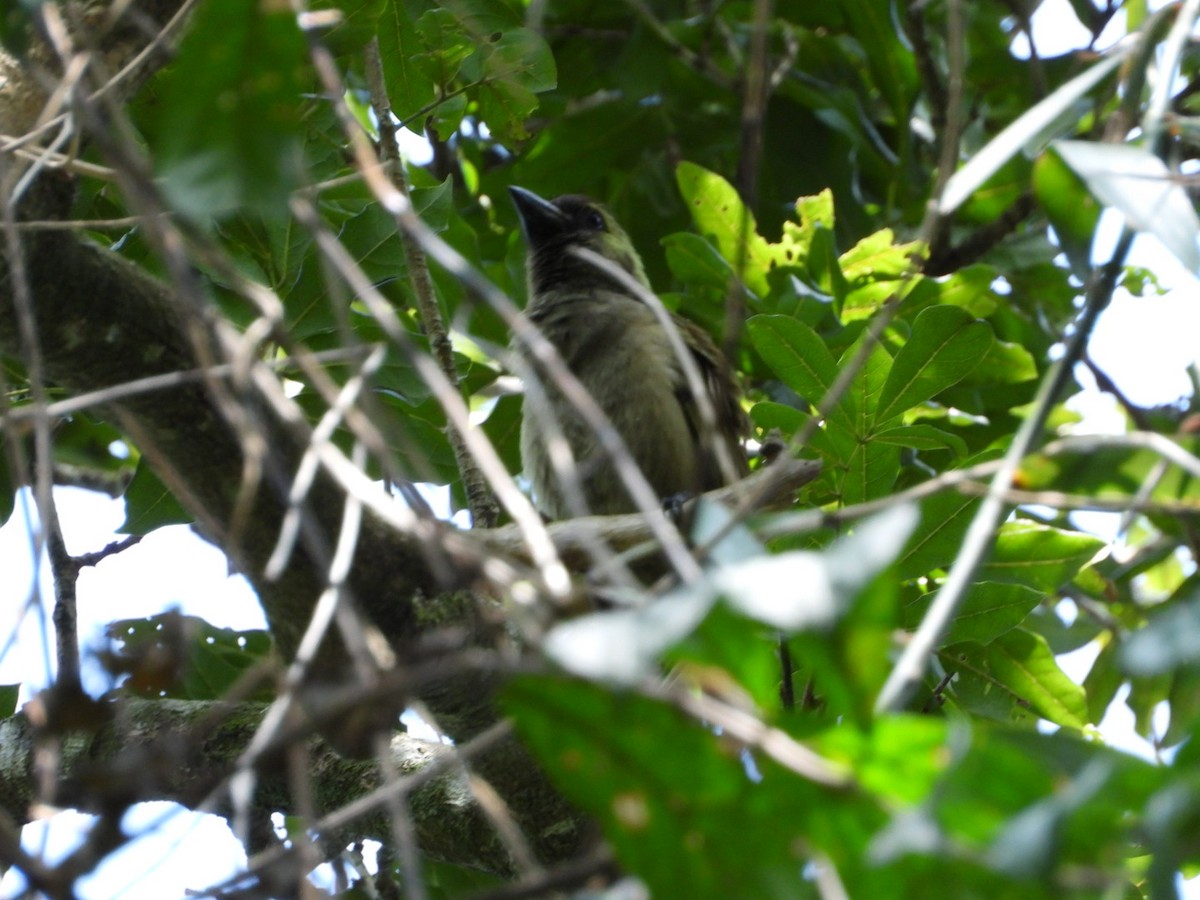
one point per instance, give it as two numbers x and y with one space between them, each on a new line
619 350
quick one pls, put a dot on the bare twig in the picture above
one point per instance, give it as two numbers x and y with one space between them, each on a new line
953 120
480 501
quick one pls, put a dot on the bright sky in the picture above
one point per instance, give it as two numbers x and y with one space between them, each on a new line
1145 344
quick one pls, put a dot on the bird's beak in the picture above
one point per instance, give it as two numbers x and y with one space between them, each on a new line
539 218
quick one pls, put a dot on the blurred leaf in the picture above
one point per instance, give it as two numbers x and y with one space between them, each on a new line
922 437
789 591
183 657
693 260
623 646
800 590
935 541
987 611
8 699
503 429
900 758
16 23
1184 707
1102 682
1072 210
8 489
1029 841
677 806
359 23
444 880
728 541
1038 556
149 505
895 74
731 656
969 288
1139 185
228 132
1170 639
1029 129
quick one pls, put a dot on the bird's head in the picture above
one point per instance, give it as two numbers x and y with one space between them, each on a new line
553 228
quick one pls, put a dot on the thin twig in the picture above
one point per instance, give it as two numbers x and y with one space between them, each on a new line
755 91
954 120
480 501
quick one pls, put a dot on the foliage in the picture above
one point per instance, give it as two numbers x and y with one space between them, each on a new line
901 343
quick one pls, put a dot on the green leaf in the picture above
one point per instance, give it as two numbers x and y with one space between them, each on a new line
768 415
731 654
945 344
8 699
8 490
969 288
867 469
795 353
869 472
878 257
895 74
227 134
987 611
504 106
677 809
149 505
719 213
1069 206
1102 682
945 518
1038 556
1028 843
1003 363
503 429
16 25
517 64
922 437
359 23
447 45
1023 662
523 57
1027 130
975 690
411 87
813 212
1169 640
693 260
1139 185
183 657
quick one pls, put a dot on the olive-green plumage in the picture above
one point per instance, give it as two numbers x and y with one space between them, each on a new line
617 348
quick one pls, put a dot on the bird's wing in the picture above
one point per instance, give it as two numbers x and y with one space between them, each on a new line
724 458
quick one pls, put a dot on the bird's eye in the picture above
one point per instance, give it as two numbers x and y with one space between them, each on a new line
595 221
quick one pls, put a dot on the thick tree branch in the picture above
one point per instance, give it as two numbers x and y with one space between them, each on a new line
156 750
